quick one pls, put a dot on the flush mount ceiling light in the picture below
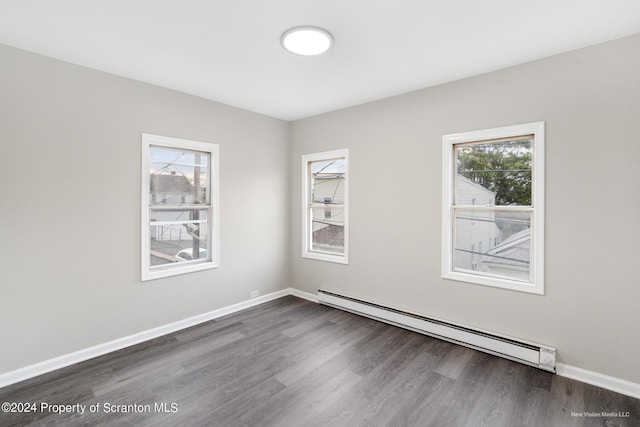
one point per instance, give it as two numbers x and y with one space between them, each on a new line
306 40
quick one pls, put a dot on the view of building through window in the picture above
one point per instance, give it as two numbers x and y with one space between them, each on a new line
179 205
327 205
493 210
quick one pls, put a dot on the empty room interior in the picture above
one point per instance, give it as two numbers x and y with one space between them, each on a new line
413 223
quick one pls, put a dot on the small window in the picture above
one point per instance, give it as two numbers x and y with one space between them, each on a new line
179 206
325 206
494 191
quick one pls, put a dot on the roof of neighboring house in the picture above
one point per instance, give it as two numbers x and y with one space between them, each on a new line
162 183
511 251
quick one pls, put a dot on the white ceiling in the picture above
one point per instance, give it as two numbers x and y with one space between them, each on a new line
229 51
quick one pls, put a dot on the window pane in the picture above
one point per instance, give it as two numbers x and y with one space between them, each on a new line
327 231
494 173
327 181
493 242
178 236
178 177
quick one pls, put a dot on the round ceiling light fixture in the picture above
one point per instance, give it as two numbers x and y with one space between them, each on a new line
306 40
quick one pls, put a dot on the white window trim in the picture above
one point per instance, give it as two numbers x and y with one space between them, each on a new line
537 228
213 236
306 223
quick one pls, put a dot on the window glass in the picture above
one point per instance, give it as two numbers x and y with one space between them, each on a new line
493 243
327 234
178 177
176 235
327 181
501 167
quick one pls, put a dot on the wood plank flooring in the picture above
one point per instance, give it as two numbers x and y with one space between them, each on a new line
291 362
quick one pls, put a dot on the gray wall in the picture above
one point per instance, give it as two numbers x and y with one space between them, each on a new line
70 207
590 101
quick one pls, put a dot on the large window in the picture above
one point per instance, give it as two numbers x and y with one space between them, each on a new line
493 207
179 206
325 186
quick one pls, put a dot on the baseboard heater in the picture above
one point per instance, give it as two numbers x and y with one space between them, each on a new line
528 353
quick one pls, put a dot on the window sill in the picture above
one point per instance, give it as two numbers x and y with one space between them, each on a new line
513 285
338 259
175 271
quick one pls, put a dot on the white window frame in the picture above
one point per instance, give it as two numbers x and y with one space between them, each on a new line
307 205
536 285
213 210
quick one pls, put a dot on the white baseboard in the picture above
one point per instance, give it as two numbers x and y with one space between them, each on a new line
594 378
63 361
600 380
304 295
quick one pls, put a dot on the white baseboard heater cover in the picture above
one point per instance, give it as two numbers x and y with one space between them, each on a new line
528 353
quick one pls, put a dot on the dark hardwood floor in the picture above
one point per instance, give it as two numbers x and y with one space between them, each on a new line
291 362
